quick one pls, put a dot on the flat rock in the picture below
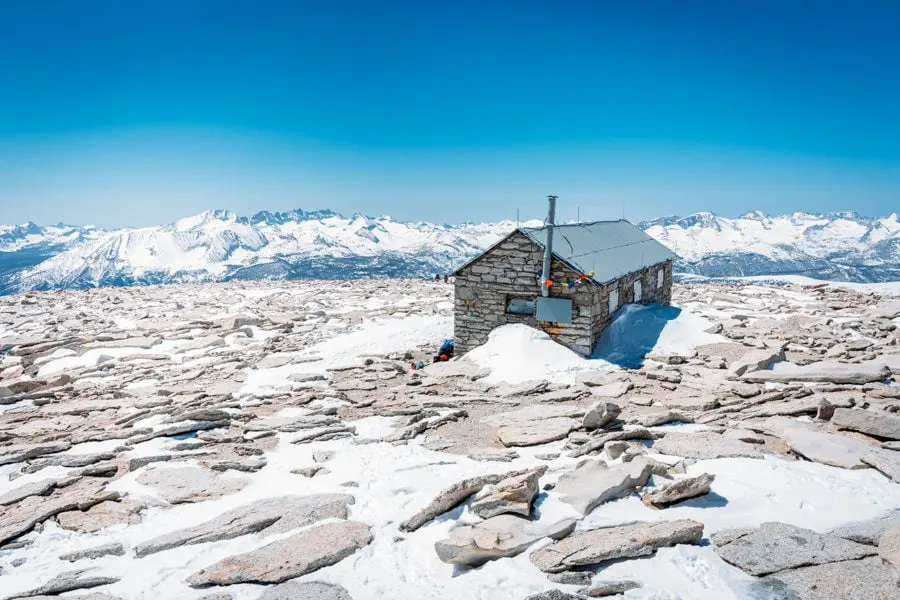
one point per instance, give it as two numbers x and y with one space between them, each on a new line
602 589
103 515
826 448
493 455
690 403
115 549
498 537
889 546
554 595
886 461
303 590
651 416
537 432
866 579
510 496
178 485
877 423
600 415
452 496
869 531
594 483
274 515
726 536
703 444
15 454
37 488
597 443
612 543
755 360
70 581
287 558
679 491
824 371
775 547
612 390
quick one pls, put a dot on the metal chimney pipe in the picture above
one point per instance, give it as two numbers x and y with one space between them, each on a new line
548 245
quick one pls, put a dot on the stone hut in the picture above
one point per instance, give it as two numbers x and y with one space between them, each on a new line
595 268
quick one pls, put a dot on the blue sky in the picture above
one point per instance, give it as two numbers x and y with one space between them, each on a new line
137 113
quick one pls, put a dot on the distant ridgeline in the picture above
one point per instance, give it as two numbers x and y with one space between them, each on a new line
221 246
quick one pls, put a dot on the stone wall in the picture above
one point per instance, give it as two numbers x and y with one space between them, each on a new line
650 293
512 269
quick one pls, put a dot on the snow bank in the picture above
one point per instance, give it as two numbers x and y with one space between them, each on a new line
385 336
518 353
638 330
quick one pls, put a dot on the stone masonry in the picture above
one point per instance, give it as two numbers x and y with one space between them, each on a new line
511 269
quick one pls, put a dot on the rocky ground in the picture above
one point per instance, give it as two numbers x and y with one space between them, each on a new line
270 441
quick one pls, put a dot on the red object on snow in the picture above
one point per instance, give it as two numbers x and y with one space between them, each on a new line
444 357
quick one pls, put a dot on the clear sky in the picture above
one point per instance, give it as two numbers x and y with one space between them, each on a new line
139 112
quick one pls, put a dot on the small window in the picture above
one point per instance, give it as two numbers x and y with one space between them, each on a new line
613 301
660 275
520 306
638 291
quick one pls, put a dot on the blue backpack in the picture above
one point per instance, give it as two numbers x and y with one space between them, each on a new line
446 347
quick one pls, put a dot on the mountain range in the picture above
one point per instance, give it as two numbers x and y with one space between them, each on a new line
219 245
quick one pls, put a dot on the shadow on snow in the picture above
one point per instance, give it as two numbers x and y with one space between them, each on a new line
633 333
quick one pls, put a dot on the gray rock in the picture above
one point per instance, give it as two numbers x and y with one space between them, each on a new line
594 483
602 589
679 491
600 415
452 496
572 577
611 543
15 454
104 514
302 590
309 471
70 581
612 390
726 536
825 410
535 433
817 446
497 537
510 496
886 461
825 371
37 488
756 360
178 485
96 552
274 515
775 547
691 403
703 444
745 390
595 444
877 423
554 595
652 416
492 455
323 456
889 546
287 558
869 531
866 579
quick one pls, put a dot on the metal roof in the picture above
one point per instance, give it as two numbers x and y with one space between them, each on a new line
609 248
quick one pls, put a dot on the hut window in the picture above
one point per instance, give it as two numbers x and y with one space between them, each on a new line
613 301
638 291
520 306
659 278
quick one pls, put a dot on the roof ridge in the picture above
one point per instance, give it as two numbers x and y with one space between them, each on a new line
582 223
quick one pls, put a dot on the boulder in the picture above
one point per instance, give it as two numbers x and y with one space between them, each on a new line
452 496
679 491
600 415
287 558
612 543
877 423
594 483
824 371
866 579
775 547
705 445
497 537
510 496
303 590
274 515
